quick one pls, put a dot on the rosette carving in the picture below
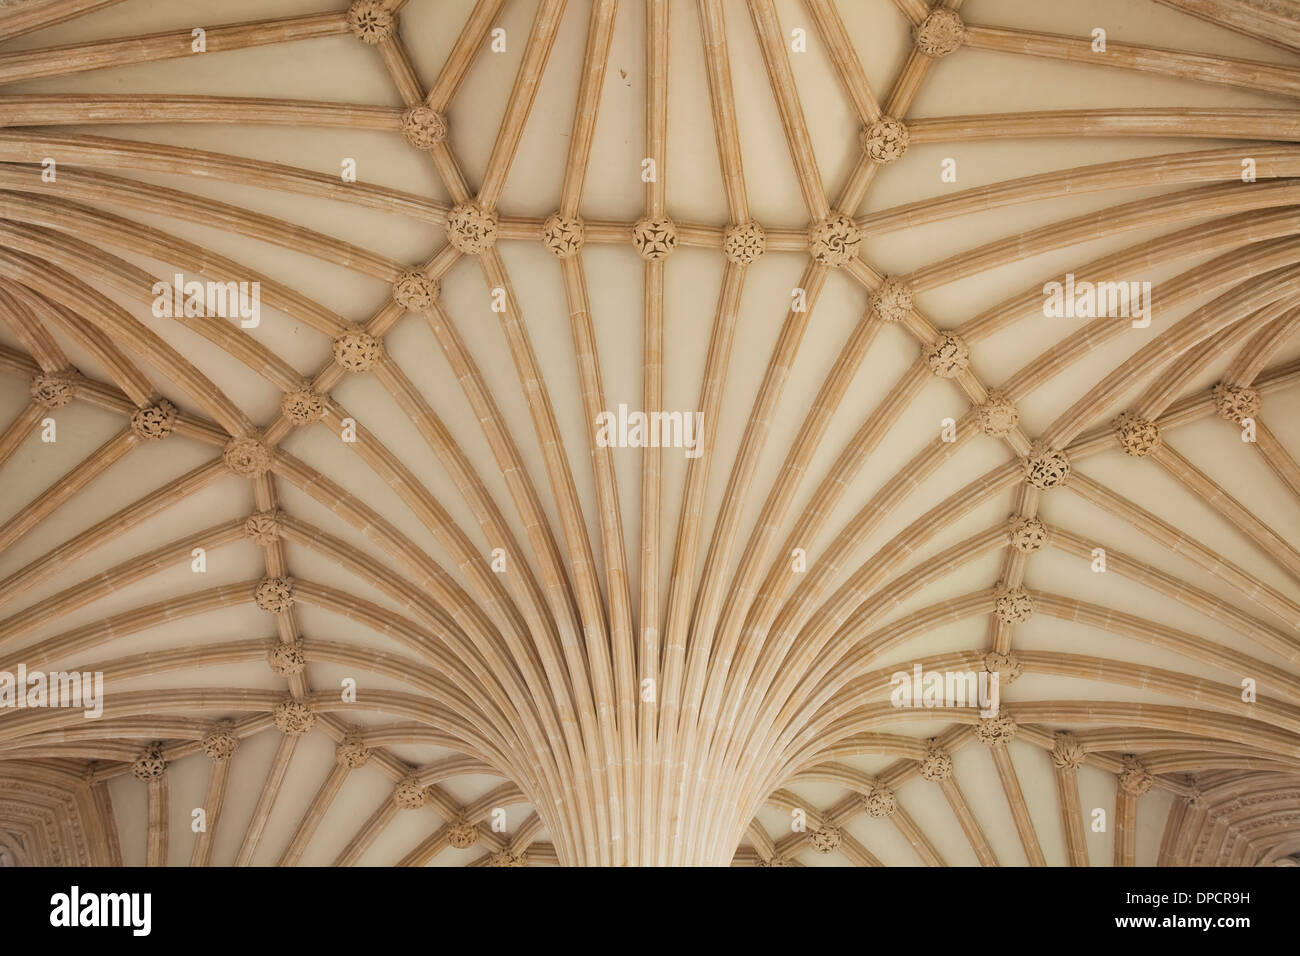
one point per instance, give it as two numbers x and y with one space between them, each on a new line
154 422
221 743
881 802
293 717
948 356
302 406
996 731
563 236
1045 467
940 33
247 457
462 835
424 127
1012 605
286 660
1067 752
263 527
471 229
274 594
835 240
414 291
892 301
370 21
1138 437
409 793
53 389
744 242
1235 402
1006 666
150 764
1027 534
654 238
356 351
885 140
1135 779
351 752
825 839
937 763
997 417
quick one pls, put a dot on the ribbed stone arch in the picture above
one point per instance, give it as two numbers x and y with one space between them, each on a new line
646 669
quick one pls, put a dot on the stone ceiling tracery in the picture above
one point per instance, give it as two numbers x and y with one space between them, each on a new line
368 581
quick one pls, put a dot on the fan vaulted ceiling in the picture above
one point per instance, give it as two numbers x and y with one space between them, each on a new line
367 582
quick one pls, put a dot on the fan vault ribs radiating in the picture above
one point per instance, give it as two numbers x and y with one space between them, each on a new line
643 718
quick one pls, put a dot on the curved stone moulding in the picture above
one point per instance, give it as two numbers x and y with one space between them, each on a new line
553 650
